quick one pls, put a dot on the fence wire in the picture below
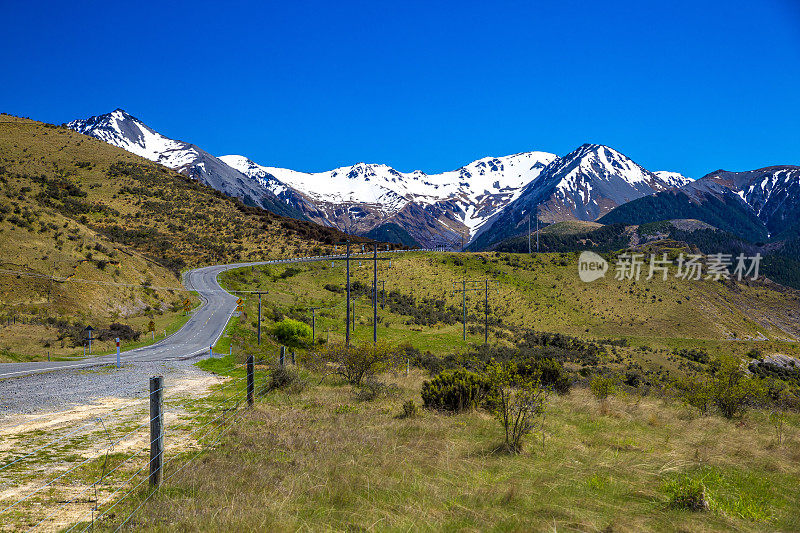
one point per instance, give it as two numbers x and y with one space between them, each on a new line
228 406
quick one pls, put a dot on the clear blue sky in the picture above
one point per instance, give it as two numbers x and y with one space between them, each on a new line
681 85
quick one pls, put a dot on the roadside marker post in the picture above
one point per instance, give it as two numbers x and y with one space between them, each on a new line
211 352
282 356
118 362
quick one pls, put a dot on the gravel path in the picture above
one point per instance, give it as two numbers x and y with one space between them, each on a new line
63 389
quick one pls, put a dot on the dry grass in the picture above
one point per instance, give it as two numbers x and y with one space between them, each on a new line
322 461
74 207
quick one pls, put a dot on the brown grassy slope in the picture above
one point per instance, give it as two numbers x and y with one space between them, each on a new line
74 207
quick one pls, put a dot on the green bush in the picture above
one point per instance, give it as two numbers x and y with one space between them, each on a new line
729 388
732 390
602 386
455 390
549 373
410 410
292 332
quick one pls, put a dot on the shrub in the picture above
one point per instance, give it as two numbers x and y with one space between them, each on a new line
518 402
693 354
410 410
292 332
284 378
455 390
731 389
602 386
697 393
356 363
372 389
549 373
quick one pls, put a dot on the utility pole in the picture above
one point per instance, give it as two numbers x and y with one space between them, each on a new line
351 322
537 229
476 286
314 322
529 233
383 293
375 295
375 260
347 321
259 293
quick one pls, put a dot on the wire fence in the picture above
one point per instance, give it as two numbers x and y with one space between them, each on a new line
102 462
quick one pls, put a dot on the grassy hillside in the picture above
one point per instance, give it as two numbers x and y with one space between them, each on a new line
343 457
119 229
542 292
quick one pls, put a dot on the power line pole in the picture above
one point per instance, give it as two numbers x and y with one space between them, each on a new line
314 322
529 233
537 229
476 286
259 312
375 295
347 320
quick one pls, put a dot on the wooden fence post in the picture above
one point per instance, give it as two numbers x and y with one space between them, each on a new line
251 387
156 430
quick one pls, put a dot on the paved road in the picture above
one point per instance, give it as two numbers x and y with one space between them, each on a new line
203 329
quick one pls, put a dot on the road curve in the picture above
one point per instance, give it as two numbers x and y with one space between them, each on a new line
201 331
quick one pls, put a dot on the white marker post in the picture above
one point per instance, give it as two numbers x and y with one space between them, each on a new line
211 352
118 362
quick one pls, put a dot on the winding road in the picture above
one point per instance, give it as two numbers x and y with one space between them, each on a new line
201 331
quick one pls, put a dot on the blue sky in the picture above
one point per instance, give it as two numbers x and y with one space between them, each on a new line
681 85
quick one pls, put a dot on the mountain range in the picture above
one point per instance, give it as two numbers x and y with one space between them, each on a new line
480 203
758 206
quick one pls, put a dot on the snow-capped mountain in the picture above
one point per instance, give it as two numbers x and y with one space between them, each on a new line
756 205
674 179
773 193
446 209
433 208
129 133
583 185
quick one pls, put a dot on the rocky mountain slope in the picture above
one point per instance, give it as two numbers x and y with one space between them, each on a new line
756 205
583 185
125 131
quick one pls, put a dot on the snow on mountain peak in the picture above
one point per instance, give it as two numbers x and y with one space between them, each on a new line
126 131
479 188
675 179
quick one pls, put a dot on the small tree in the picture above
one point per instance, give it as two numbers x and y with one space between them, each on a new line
602 386
696 392
732 389
356 363
292 333
517 402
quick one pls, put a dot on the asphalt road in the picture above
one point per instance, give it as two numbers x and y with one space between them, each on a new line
202 330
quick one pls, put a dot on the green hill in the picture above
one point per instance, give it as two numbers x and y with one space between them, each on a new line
119 228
